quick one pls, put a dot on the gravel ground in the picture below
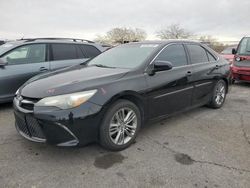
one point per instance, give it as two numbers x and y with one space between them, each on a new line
200 148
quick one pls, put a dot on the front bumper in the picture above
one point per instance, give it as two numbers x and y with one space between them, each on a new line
71 127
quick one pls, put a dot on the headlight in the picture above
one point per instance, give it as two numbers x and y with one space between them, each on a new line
67 101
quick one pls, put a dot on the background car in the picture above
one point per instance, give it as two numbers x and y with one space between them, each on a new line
227 53
241 64
20 60
108 99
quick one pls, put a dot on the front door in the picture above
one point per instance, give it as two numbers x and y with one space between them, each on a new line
170 91
22 63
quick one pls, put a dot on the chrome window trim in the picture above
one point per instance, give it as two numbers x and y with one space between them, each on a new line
189 63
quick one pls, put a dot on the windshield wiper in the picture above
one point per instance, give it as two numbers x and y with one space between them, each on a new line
103 66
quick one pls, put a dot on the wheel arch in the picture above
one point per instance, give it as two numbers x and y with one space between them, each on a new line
131 96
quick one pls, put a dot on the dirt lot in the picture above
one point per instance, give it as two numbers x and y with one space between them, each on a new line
199 148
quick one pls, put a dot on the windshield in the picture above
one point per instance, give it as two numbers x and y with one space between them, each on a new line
244 48
125 56
5 47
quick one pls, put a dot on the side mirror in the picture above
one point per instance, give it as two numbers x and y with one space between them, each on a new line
162 66
234 51
2 63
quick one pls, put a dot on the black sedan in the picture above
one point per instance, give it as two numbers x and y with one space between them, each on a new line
108 99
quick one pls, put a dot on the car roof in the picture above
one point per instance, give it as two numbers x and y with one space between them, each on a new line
15 43
164 42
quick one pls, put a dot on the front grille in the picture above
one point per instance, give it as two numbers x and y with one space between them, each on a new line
22 125
34 127
27 106
28 103
30 127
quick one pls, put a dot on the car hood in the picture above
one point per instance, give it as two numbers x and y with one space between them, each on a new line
69 80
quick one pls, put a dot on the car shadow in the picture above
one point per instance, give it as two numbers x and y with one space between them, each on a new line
242 84
6 106
59 154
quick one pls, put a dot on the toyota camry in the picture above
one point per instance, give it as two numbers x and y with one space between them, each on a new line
111 97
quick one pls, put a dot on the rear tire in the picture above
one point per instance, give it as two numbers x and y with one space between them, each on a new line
219 95
120 125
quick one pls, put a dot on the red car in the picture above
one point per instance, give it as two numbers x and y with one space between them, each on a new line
241 63
227 53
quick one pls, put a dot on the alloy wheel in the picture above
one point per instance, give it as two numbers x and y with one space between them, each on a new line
123 126
220 93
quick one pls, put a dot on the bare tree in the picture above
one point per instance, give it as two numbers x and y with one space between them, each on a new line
122 35
212 42
174 31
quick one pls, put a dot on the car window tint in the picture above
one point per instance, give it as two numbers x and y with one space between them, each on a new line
64 51
197 54
90 51
34 53
175 54
210 56
79 52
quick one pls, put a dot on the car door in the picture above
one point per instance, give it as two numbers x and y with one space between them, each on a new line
23 63
205 69
63 55
170 91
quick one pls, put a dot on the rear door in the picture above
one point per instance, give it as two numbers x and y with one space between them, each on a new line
24 62
64 55
205 69
170 91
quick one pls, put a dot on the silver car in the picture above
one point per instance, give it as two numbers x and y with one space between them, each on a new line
22 59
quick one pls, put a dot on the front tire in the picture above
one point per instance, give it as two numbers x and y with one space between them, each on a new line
219 95
120 125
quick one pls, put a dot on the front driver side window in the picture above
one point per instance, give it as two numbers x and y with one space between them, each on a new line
175 54
34 53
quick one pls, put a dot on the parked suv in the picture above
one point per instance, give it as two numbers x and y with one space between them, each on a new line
241 64
22 59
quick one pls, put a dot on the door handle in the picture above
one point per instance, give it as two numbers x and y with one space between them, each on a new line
43 69
189 73
217 66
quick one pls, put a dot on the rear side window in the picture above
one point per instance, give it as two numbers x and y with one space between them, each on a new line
175 54
197 54
34 53
64 51
211 57
90 51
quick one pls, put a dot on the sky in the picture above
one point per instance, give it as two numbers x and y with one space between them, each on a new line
226 20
